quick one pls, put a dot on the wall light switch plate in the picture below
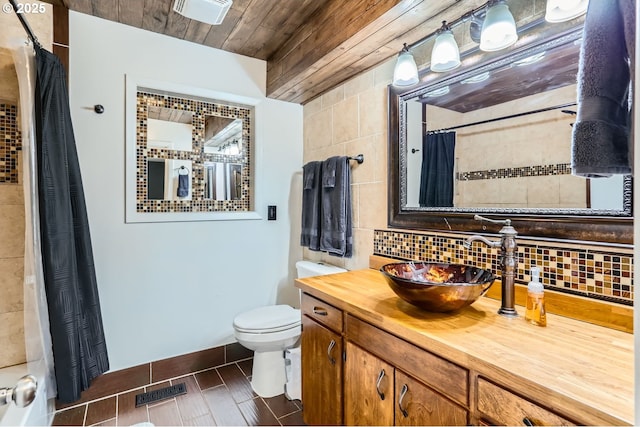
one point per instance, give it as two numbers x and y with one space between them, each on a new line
271 213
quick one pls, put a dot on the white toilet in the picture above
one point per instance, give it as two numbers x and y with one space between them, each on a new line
269 331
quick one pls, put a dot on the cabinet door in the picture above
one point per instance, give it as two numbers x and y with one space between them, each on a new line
418 405
368 388
321 374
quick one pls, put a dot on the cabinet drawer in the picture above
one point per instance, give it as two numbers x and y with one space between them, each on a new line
506 408
444 376
322 312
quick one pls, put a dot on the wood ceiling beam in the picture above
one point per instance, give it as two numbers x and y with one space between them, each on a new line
324 54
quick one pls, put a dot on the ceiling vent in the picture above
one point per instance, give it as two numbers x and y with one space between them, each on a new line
208 11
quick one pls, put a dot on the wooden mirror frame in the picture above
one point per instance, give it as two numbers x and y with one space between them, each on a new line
616 228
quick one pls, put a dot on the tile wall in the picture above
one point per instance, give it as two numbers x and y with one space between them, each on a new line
12 350
591 271
348 120
9 143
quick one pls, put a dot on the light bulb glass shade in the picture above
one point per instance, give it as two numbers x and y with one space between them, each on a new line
445 55
564 10
499 28
406 71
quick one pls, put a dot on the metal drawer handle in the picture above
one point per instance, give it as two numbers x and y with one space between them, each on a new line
331 359
380 377
320 311
403 392
526 421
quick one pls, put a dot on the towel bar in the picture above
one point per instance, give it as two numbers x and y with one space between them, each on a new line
359 158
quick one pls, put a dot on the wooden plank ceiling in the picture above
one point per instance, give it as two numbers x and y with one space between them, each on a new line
310 46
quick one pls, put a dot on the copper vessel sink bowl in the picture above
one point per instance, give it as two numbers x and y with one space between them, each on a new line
437 287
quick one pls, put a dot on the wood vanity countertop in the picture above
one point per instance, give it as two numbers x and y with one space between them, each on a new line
582 370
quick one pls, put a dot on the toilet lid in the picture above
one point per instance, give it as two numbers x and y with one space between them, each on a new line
272 318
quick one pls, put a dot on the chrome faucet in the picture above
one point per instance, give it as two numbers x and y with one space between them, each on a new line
508 260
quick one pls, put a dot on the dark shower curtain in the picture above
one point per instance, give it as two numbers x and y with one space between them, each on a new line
436 176
79 348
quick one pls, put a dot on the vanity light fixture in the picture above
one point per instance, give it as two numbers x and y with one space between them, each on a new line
565 10
498 32
445 55
406 72
499 28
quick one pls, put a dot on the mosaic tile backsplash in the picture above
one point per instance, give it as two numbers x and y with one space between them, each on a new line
591 272
11 143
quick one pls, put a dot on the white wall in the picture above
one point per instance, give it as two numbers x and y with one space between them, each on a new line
173 288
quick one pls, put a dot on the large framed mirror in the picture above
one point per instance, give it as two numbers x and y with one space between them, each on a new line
494 138
189 153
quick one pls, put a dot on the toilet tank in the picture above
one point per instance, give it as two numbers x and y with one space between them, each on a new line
311 268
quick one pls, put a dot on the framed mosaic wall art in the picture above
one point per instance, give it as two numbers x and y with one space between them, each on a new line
189 153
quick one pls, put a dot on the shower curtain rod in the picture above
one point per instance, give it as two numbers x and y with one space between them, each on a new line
25 24
512 116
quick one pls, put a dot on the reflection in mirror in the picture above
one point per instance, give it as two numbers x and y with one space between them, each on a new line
501 139
169 128
509 116
223 181
168 179
493 163
222 135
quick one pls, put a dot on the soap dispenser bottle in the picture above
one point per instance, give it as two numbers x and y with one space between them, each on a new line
535 312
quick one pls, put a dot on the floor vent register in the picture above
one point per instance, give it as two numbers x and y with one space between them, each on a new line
160 394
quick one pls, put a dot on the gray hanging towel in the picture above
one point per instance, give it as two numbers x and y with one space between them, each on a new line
310 234
329 172
601 142
183 185
336 232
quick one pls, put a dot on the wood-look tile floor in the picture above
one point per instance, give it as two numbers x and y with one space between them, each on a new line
218 396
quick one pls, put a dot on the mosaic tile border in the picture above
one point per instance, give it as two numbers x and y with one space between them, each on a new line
11 143
593 273
200 109
518 172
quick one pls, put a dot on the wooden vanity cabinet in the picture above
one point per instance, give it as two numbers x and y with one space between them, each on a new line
354 373
321 362
473 366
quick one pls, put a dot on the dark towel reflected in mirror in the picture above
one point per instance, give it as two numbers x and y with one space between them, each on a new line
168 179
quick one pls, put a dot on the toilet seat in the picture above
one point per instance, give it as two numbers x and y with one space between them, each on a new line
270 319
